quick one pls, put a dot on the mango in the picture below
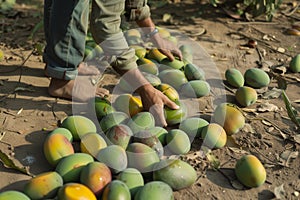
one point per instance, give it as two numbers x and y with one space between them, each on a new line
175 64
155 54
195 89
102 107
141 157
174 117
14 195
187 53
173 77
246 96
155 190
120 135
193 126
256 78
214 136
178 142
141 121
163 32
152 79
95 176
89 53
294 65
176 173
128 104
70 166
62 131
114 156
74 191
169 91
193 72
173 39
116 190
146 65
113 119
229 117
57 146
150 140
132 32
92 143
140 51
234 77
43 186
134 40
250 172
78 125
133 179
160 133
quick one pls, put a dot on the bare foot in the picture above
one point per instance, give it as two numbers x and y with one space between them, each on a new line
81 89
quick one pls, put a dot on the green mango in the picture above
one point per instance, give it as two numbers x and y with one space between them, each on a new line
214 136
256 78
141 121
120 135
193 126
155 190
13 195
193 72
113 119
132 178
102 107
178 142
174 117
62 131
176 173
116 190
295 64
160 133
246 96
195 89
173 77
234 77
175 64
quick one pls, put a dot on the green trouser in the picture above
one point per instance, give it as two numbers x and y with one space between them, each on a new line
66 23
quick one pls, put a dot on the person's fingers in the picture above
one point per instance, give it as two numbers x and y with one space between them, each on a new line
168 54
158 113
170 104
177 53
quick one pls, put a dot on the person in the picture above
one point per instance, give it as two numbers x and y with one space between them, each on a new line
66 24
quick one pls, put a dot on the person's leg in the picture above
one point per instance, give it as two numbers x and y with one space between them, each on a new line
66 24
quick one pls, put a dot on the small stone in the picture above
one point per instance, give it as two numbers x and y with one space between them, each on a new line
296 193
280 49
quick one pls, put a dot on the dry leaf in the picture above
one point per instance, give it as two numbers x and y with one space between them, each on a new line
287 155
19 112
279 192
265 122
297 138
2 135
267 107
272 94
237 150
248 128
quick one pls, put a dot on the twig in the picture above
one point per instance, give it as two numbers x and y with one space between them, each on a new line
23 63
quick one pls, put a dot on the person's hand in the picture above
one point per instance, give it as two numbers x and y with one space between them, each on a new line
166 47
154 101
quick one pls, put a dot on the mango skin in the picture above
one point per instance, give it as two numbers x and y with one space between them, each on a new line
193 126
102 107
246 96
174 117
128 104
169 91
175 64
114 156
229 117
146 65
55 147
13 195
73 191
78 125
92 143
155 190
160 133
250 172
152 79
234 77
113 119
43 186
133 179
141 121
173 77
193 72
120 135
176 173
62 131
155 54
256 78
116 190
214 136
195 89
141 157
70 166
295 64
95 176
178 142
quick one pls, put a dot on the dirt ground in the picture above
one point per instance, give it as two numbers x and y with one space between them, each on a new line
28 113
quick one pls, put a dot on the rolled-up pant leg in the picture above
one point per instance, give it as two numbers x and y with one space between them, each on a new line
65 26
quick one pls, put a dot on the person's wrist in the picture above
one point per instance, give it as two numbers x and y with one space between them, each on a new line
144 88
152 33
